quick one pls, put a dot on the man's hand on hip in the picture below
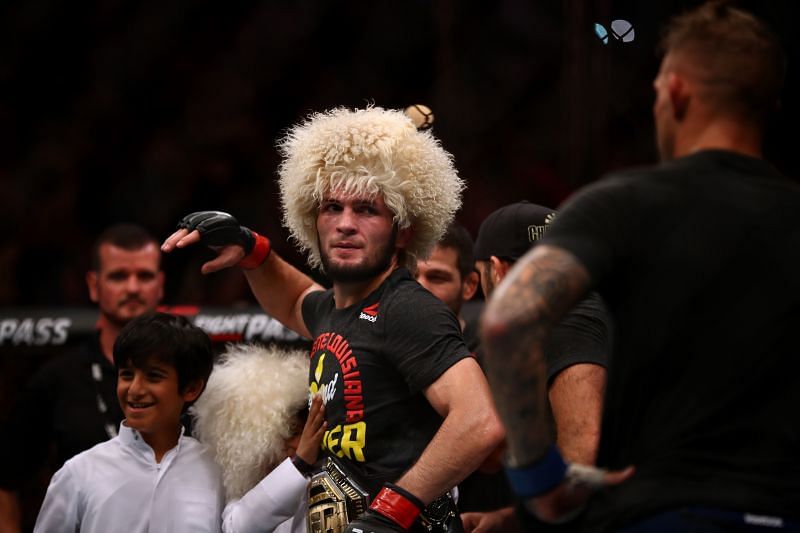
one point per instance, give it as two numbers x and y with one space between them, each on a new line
393 510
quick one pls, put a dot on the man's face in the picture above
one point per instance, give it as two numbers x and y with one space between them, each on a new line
128 284
663 113
357 237
440 275
484 268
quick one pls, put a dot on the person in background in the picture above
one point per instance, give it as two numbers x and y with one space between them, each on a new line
697 260
254 415
70 403
449 275
576 355
151 477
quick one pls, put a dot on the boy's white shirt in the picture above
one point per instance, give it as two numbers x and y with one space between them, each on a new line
278 504
118 486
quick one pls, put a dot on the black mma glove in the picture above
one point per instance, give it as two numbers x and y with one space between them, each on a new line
217 228
393 510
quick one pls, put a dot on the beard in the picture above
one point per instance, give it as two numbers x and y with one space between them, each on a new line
119 316
361 272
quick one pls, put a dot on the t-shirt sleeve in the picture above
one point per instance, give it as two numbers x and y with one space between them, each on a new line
423 337
594 225
312 308
583 336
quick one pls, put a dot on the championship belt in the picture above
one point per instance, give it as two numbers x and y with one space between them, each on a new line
335 499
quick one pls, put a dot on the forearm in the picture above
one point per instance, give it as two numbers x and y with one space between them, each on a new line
10 515
517 320
576 398
280 288
470 431
272 502
464 440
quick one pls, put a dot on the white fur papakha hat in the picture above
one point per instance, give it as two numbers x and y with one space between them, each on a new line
247 411
368 151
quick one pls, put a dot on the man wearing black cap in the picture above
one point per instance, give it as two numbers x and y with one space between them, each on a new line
576 353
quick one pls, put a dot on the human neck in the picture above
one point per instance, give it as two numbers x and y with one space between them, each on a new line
347 294
108 334
719 134
162 442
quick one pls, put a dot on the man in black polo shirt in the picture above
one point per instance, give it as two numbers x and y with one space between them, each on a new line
576 353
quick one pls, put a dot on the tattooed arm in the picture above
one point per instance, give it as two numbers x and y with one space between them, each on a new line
541 288
538 291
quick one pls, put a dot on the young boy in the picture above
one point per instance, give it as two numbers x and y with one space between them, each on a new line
150 478
255 417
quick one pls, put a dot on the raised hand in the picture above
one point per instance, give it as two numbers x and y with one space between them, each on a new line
234 243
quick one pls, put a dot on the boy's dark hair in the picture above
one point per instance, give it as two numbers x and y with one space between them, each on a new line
742 62
125 236
458 238
172 340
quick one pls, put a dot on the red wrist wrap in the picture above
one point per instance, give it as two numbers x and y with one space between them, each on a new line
395 506
259 253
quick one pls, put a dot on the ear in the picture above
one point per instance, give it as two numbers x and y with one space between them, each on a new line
679 92
192 391
91 283
470 285
404 237
499 268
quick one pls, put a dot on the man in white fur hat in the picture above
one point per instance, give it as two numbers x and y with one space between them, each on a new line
408 409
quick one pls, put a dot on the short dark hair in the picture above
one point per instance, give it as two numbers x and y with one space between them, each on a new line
125 236
743 63
458 238
172 340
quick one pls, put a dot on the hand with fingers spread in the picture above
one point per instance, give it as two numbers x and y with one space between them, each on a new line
235 244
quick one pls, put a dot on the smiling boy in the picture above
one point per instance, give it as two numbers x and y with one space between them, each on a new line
150 477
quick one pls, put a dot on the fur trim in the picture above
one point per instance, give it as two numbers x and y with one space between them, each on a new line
368 151
247 411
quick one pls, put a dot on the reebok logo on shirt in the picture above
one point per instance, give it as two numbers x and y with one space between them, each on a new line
370 312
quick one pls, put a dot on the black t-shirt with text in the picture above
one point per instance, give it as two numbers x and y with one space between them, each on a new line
371 361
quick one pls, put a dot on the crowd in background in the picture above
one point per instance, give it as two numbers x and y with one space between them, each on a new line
113 112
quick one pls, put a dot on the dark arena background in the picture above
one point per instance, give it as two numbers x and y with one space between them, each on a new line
144 111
